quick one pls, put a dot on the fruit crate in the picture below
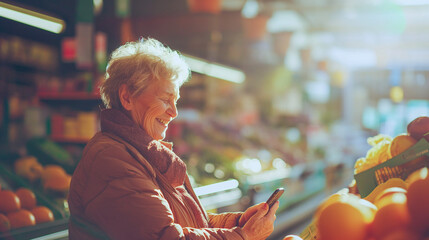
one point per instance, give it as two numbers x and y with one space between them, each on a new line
59 212
399 166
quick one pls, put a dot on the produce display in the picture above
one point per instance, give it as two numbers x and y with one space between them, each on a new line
396 209
392 158
20 209
52 178
31 194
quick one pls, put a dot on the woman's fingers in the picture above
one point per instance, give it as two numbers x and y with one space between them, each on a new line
273 209
249 213
260 225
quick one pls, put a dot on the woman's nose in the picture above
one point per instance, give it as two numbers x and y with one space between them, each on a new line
172 110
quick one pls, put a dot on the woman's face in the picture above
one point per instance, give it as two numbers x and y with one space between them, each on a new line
155 108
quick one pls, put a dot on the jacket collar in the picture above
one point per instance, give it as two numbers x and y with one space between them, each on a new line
159 154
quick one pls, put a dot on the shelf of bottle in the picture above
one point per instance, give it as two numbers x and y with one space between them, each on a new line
68 96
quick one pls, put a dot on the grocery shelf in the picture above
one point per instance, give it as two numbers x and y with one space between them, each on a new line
40 231
68 96
61 139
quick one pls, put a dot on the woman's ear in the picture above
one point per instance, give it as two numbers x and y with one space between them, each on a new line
124 97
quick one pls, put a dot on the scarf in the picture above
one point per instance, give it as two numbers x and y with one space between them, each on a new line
155 152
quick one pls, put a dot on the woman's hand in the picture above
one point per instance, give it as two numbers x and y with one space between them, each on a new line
249 213
258 221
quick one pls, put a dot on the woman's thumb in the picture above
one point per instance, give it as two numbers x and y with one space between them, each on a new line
264 209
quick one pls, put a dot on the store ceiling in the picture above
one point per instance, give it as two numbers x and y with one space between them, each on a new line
395 30
382 32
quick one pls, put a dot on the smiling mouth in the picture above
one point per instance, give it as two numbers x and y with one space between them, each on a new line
163 122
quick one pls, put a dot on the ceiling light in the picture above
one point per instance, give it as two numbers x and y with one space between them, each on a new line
285 21
214 69
216 187
250 9
31 18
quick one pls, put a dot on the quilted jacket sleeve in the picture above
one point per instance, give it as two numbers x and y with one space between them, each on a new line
131 205
224 220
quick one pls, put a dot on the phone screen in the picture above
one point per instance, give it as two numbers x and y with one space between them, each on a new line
275 196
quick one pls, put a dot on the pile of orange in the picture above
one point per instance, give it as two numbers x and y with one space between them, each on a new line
394 214
19 209
53 178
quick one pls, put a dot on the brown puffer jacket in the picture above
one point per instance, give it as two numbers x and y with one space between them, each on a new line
115 193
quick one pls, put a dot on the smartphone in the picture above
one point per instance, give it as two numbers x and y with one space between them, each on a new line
275 196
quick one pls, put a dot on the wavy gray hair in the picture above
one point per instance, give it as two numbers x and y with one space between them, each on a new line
137 64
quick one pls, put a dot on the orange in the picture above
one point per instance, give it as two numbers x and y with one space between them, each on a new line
52 170
292 237
4 223
368 204
9 202
27 198
336 197
392 215
386 195
421 173
58 182
401 143
418 207
21 218
401 235
42 214
344 220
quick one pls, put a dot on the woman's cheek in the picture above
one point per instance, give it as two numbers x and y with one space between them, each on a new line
150 121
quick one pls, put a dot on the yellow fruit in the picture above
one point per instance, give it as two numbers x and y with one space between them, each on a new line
52 171
378 138
416 175
368 204
59 183
418 207
337 197
391 183
402 235
28 167
387 195
401 143
344 220
379 153
391 216
361 165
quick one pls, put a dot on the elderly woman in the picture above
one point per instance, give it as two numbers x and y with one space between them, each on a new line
129 184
